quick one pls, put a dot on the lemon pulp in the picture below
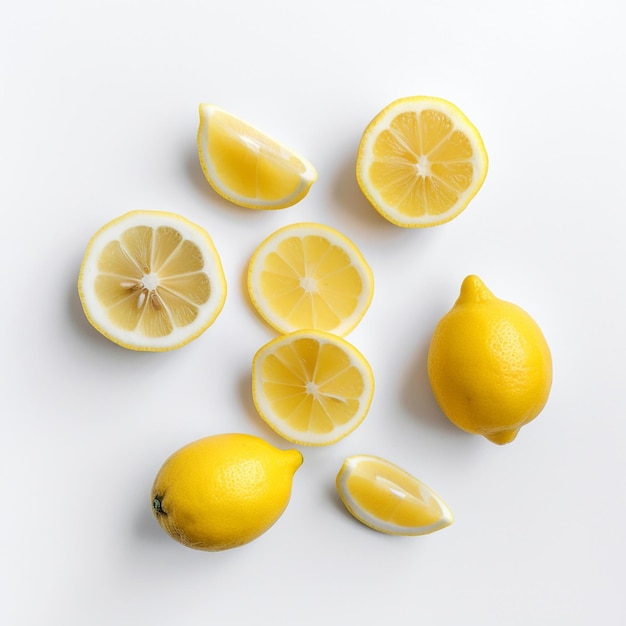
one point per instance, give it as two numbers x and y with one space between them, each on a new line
387 498
311 387
309 275
246 166
420 161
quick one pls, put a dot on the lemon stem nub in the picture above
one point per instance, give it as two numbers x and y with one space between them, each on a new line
156 505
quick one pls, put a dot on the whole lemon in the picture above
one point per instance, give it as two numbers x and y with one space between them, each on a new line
489 364
224 490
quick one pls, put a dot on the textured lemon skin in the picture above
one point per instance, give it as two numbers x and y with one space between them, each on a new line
223 491
489 364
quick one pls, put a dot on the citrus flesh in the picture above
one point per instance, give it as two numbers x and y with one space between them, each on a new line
311 387
420 161
246 166
310 276
386 498
223 491
151 280
489 364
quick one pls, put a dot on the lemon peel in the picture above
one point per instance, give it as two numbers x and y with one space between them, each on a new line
223 491
489 364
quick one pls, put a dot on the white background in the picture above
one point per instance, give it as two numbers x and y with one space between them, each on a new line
98 116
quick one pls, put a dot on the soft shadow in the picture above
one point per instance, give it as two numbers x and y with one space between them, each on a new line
147 528
417 395
347 194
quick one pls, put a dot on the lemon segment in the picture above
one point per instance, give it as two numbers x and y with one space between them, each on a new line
388 499
223 491
311 387
309 275
420 161
489 364
246 166
151 281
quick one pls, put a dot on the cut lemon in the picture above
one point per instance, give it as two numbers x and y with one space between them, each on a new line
313 388
386 498
151 281
420 162
248 167
310 276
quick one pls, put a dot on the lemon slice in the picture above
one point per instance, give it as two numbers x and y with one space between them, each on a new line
151 281
248 167
420 161
313 388
388 499
310 276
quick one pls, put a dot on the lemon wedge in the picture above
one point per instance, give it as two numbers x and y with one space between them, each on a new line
388 499
246 166
309 275
311 387
420 161
151 281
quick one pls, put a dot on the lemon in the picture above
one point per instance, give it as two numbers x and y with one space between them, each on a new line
313 388
386 498
246 166
309 275
489 365
223 491
420 161
151 280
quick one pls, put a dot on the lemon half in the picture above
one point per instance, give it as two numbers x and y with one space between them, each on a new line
151 281
420 161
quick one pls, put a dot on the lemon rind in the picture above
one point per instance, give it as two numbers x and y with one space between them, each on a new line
348 467
276 424
381 121
270 243
307 177
96 313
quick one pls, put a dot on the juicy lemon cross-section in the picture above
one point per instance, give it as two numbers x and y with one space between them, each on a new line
420 161
311 387
151 281
386 498
246 166
309 275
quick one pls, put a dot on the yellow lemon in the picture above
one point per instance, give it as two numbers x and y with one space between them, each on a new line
386 498
151 280
223 491
311 387
246 166
489 365
309 275
420 161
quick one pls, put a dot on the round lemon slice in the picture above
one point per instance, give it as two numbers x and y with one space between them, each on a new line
246 166
420 161
309 275
151 281
388 499
313 388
